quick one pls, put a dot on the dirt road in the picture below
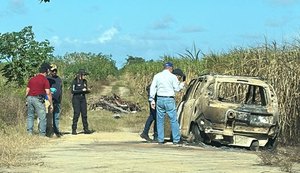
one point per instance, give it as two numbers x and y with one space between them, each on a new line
126 152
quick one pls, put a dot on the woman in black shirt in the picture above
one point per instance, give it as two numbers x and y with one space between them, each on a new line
79 89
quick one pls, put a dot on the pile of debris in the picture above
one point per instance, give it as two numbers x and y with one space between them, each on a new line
115 104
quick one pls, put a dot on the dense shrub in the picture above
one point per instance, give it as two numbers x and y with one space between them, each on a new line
99 66
13 107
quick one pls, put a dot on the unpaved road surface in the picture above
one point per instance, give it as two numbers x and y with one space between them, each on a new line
127 152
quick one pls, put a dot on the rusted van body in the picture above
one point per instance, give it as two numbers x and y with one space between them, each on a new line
231 110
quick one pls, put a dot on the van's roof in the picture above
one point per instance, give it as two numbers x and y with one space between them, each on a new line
237 79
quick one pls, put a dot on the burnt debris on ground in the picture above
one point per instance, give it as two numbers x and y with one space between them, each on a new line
115 104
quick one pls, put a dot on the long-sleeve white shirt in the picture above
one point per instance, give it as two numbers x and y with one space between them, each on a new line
164 83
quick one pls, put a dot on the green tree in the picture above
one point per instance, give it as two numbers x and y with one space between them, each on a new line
98 65
22 55
134 60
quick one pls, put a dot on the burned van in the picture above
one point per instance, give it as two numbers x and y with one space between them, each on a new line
229 110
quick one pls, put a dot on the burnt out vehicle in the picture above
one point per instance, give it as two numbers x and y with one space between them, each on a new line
229 110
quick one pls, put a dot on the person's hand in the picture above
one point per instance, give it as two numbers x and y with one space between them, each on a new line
84 89
153 104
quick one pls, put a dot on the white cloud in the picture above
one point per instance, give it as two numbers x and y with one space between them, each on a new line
56 41
163 23
12 7
17 6
72 41
105 37
192 29
159 37
108 35
128 39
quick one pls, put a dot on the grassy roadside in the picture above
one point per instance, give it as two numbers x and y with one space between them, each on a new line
104 121
284 157
15 147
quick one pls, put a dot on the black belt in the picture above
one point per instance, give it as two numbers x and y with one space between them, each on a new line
166 96
38 95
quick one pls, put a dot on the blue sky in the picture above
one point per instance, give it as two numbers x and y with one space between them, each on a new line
152 29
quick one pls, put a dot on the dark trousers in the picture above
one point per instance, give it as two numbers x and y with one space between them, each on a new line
151 118
79 107
56 117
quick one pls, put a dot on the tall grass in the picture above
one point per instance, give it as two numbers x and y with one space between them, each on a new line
12 103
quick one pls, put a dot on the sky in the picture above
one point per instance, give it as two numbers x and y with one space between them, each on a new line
152 29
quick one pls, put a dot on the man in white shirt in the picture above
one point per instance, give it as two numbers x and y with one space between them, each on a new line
164 85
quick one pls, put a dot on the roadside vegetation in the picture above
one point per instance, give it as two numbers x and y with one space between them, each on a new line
283 157
15 145
21 55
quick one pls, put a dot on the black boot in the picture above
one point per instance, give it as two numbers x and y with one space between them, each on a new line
146 137
74 132
58 135
154 137
88 131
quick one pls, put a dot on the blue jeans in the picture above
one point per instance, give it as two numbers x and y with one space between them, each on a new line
56 117
34 104
167 105
151 118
